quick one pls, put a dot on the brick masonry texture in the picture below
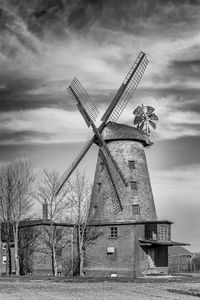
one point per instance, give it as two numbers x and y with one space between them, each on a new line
123 151
121 262
129 258
180 263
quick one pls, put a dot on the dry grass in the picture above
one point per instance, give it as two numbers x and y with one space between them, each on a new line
40 289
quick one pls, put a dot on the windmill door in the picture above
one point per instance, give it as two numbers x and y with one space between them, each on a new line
151 258
157 260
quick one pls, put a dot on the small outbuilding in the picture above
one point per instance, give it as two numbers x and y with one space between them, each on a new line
180 259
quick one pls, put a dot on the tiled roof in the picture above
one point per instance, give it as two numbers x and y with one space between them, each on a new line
178 250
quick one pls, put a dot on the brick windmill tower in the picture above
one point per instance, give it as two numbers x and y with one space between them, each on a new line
132 241
127 146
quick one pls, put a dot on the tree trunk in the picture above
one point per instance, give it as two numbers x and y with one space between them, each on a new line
81 262
9 262
78 248
80 251
15 230
72 252
53 249
54 262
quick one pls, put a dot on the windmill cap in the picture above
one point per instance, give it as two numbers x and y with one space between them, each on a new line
115 131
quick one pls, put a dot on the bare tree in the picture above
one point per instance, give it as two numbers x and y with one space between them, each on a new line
27 244
58 206
79 196
16 180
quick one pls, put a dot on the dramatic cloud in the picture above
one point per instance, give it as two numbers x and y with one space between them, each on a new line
45 43
55 125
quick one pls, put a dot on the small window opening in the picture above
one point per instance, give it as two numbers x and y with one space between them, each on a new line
95 210
135 209
113 232
131 164
98 187
164 233
133 185
101 166
4 259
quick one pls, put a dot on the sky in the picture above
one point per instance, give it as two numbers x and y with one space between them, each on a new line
44 44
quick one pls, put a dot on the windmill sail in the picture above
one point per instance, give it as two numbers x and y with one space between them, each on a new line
77 91
97 133
114 189
88 110
126 89
62 180
114 164
83 110
120 187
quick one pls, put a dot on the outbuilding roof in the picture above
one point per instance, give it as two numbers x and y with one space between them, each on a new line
178 250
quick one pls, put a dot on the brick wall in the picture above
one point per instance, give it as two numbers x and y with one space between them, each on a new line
179 263
100 263
101 202
125 144
129 258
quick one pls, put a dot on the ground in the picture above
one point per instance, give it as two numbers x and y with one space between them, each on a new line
60 289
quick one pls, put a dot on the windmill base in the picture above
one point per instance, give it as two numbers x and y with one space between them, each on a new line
129 249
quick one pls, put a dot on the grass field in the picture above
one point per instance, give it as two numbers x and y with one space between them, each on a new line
60 289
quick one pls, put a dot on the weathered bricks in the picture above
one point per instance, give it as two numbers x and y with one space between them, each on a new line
128 259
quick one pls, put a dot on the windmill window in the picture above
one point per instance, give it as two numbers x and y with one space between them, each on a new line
113 232
135 209
98 187
164 233
133 185
101 166
95 210
131 164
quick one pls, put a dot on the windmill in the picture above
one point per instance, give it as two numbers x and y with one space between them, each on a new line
133 242
115 176
145 118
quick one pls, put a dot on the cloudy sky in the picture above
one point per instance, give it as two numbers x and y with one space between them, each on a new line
45 43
